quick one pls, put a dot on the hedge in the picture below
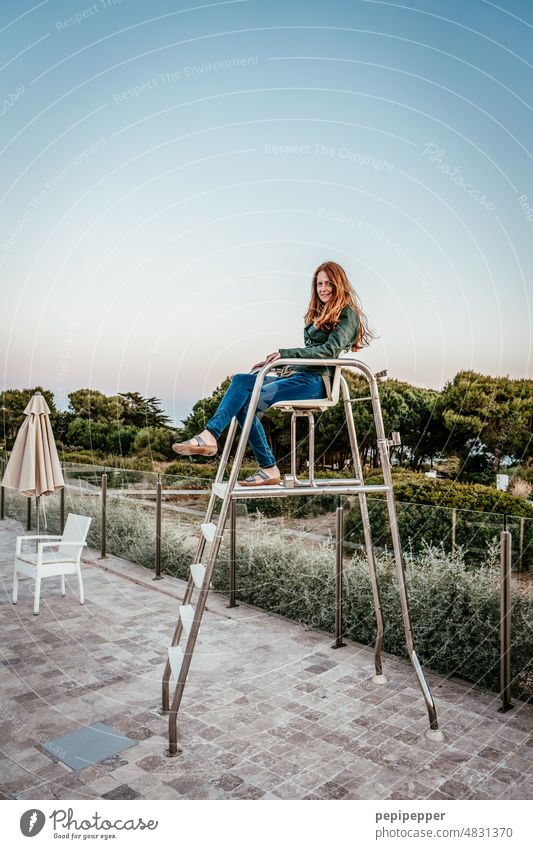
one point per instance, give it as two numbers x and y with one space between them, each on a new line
455 609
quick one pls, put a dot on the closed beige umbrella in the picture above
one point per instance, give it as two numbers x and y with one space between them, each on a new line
34 468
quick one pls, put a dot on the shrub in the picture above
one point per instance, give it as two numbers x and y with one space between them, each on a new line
455 609
520 488
416 488
155 439
99 459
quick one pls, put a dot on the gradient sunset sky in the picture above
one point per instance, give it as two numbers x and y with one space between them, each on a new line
172 173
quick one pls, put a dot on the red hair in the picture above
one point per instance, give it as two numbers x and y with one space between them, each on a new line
326 316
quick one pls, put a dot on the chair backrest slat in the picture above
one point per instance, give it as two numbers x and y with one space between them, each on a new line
336 385
74 534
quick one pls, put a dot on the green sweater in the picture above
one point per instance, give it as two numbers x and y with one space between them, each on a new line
325 344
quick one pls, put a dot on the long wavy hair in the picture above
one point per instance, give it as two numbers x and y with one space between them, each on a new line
326 316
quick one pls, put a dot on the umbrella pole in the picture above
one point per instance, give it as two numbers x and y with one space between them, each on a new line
37 505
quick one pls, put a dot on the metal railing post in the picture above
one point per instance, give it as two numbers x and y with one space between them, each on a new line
62 510
520 544
339 535
232 535
103 539
505 622
454 527
157 576
2 490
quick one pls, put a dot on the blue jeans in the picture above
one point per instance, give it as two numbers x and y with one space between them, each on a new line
236 399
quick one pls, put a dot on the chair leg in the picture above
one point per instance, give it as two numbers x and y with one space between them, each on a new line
15 585
293 447
37 595
80 582
62 585
379 677
311 419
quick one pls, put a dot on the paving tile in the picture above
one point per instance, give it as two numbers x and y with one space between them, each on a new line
331 790
100 785
288 790
228 781
122 791
248 791
455 789
508 776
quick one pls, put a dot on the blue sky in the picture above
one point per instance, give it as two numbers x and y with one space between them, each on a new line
172 174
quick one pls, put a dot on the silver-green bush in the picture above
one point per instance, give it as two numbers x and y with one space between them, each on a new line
455 608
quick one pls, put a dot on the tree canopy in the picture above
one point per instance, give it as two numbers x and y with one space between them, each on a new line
481 420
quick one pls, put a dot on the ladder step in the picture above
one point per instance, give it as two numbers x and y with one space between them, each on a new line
175 657
187 617
209 530
220 489
198 572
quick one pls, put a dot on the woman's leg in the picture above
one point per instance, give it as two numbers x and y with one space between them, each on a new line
298 386
235 398
257 439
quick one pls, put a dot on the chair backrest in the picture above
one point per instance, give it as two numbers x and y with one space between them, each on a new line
315 403
335 386
74 535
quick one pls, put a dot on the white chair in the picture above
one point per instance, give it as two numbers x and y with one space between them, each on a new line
64 561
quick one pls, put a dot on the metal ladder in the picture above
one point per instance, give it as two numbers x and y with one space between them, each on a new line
190 616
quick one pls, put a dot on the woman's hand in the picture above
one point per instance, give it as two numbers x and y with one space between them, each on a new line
271 358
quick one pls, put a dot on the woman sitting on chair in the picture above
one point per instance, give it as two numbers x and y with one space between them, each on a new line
334 322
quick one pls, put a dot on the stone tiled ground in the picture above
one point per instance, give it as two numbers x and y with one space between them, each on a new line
270 710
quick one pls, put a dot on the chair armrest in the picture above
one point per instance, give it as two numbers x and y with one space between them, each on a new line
43 545
20 540
41 536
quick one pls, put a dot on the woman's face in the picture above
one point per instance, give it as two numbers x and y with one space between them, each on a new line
324 288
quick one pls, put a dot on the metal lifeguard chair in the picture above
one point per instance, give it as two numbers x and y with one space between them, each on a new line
190 617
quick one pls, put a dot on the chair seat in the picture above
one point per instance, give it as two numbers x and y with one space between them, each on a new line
51 557
309 404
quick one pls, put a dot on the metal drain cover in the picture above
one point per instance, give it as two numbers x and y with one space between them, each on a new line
88 745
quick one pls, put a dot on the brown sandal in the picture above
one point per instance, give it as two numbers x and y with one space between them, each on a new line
189 448
264 479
